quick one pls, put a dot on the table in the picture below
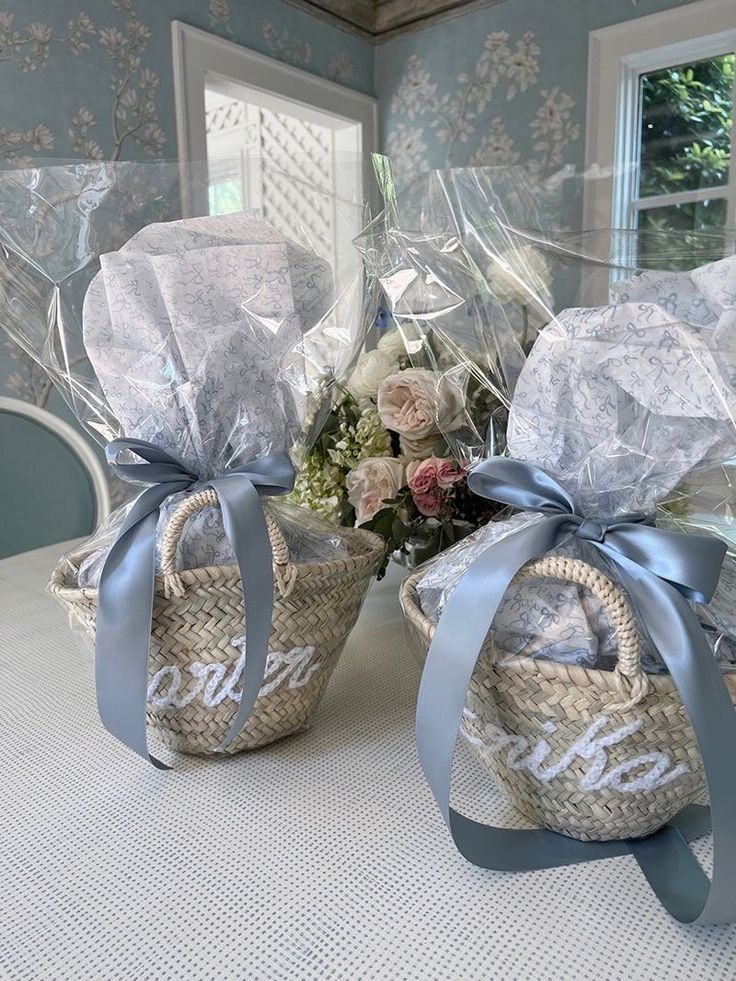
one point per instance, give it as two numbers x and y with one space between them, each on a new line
322 856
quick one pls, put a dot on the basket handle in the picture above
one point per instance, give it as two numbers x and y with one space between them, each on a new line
284 569
630 677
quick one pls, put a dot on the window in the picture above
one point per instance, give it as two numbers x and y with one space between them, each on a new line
234 106
281 141
661 122
684 146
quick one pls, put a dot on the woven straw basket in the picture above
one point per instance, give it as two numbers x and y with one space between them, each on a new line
595 755
198 613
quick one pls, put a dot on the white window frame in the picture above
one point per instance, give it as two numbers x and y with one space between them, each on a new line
617 57
198 55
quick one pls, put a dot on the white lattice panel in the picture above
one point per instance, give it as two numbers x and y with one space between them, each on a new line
304 152
225 116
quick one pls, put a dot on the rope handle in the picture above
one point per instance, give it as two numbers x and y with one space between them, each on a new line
630 677
284 570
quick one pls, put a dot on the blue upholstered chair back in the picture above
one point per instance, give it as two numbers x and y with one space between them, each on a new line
52 483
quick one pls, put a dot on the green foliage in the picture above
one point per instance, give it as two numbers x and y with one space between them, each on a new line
686 138
400 524
348 435
685 145
686 126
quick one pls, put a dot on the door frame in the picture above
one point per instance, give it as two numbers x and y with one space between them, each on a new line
197 53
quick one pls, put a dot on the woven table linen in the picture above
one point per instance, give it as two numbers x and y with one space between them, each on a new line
322 856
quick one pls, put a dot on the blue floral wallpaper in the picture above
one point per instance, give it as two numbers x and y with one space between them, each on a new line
93 78
502 84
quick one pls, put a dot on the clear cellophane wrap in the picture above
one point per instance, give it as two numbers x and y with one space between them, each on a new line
609 358
218 338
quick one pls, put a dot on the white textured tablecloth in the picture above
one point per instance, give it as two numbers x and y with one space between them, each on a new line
322 856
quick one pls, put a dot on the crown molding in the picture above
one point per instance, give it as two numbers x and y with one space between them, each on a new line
380 20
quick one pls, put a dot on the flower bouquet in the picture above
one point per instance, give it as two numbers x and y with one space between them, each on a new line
384 460
432 396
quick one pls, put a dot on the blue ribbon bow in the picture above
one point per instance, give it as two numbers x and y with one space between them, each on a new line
661 570
125 599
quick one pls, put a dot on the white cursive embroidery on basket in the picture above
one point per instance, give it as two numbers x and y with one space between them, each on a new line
521 755
293 668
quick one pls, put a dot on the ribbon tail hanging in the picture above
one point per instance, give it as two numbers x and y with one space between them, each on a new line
127 583
668 864
469 614
246 529
123 629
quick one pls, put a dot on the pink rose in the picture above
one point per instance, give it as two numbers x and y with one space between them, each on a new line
449 472
428 480
429 504
421 475
371 483
420 403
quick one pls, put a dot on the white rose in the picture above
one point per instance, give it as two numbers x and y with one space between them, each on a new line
371 369
400 343
371 483
519 275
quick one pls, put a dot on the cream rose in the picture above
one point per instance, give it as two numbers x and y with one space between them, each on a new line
400 343
418 403
372 367
371 483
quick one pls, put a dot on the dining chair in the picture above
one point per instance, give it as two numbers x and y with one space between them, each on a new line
52 484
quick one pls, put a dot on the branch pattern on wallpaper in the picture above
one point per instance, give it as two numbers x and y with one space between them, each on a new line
28 48
298 52
132 120
133 114
456 117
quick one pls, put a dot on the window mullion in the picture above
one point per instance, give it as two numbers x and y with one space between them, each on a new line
681 197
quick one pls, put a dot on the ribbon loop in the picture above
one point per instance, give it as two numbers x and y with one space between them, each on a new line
158 467
661 570
519 485
125 596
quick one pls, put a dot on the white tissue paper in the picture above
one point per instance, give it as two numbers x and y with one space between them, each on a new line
218 339
623 405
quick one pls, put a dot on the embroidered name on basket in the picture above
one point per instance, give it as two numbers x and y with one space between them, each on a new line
523 755
171 685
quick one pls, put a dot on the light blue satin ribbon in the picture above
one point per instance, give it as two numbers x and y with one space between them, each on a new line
125 598
661 570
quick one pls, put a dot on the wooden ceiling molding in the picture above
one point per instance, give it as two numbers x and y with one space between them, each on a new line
380 20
